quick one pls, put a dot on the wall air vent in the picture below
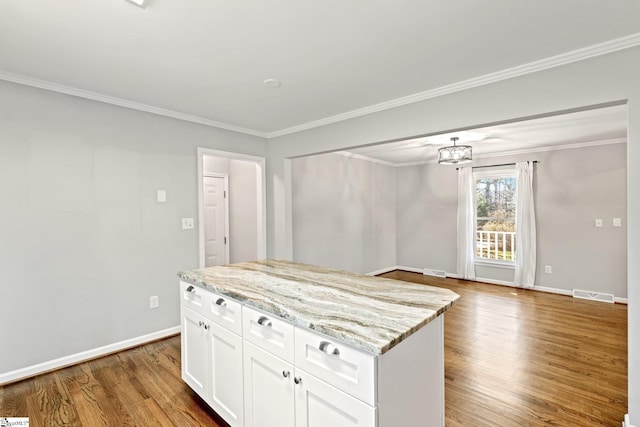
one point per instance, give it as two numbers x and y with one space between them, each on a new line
432 272
594 296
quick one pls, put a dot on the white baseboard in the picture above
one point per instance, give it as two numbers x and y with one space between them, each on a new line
499 282
626 422
409 269
72 359
382 271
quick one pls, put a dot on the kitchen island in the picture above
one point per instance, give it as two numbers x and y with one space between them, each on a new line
277 343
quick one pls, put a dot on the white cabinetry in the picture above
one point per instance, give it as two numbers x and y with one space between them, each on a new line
212 354
278 393
258 370
268 389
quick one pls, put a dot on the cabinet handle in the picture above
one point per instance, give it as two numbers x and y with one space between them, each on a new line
264 321
297 380
206 327
329 348
221 302
191 289
201 323
286 374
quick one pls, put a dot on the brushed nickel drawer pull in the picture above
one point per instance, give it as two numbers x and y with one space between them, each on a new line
329 348
191 289
264 321
221 302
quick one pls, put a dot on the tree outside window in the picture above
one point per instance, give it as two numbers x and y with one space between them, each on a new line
496 216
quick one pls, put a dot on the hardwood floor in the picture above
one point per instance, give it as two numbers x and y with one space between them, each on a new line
516 357
512 358
137 387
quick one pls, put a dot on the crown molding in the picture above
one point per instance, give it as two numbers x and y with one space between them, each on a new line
68 90
499 154
610 46
365 158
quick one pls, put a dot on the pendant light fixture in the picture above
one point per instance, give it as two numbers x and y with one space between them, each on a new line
454 154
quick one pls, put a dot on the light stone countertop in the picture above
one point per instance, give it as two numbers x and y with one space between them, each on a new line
370 313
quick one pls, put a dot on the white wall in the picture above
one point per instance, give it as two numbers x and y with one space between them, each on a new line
343 213
597 80
83 241
573 187
243 210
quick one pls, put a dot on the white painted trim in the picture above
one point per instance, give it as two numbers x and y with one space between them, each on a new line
555 148
604 48
409 269
497 282
496 154
262 197
382 271
40 368
532 67
94 96
365 158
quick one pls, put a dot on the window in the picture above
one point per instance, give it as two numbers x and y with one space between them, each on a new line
496 216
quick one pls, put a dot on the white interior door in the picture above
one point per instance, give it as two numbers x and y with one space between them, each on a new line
215 220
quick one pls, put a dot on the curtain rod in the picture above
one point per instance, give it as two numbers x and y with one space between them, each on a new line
495 166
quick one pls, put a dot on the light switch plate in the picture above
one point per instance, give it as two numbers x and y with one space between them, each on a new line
599 222
162 196
617 222
187 223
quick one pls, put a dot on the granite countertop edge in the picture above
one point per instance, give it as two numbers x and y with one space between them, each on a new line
291 315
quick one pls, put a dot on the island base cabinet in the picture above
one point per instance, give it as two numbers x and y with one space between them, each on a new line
268 389
226 393
212 365
195 352
279 395
320 405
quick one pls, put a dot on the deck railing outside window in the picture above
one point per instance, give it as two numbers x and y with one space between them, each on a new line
496 245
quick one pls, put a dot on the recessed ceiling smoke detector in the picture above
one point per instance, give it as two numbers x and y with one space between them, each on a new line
139 3
272 83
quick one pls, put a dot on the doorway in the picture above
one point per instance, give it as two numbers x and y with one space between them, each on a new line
231 207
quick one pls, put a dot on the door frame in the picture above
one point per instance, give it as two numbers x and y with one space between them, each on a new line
261 202
227 245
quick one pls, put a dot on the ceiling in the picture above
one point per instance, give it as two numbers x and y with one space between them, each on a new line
595 126
206 60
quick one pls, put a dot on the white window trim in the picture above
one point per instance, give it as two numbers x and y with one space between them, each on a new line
497 263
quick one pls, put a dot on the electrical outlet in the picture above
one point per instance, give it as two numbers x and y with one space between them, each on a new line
187 223
548 269
598 222
154 301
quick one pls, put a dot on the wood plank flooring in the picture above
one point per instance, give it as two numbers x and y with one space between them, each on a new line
517 357
512 358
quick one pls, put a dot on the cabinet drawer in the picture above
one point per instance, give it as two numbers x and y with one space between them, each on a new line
224 311
268 332
346 368
193 297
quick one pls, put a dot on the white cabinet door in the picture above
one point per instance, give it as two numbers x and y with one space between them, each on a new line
226 396
268 389
320 405
195 352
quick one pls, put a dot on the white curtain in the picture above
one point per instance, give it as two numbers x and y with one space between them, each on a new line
525 227
466 224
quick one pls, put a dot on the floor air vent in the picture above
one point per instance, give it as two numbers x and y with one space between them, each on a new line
432 272
593 296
